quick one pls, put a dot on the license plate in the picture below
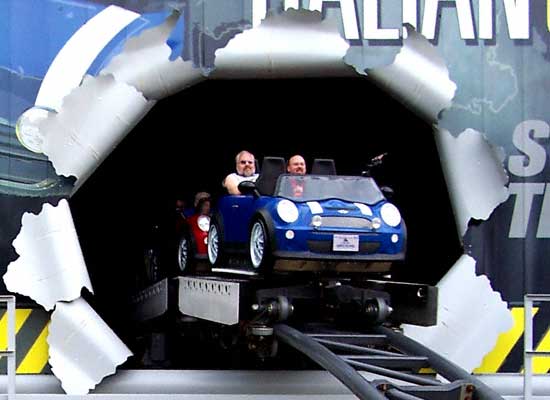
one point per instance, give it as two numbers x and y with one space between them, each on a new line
345 243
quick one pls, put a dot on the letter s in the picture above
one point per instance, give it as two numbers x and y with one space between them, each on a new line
532 163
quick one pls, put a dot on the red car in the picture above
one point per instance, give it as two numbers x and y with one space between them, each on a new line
193 236
193 240
173 247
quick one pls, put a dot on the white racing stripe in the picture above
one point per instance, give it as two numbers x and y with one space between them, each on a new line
315 207
365 210
74 59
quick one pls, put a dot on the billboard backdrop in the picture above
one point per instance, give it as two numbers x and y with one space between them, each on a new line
496 53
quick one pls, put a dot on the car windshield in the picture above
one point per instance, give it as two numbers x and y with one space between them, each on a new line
321 187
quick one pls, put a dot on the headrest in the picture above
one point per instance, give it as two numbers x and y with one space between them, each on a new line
323 166
272 167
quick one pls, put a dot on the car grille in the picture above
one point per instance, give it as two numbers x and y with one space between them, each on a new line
346 222
325 246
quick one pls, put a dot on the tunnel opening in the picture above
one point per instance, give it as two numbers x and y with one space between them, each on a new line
187 143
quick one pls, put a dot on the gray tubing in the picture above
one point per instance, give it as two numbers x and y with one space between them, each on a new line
395 374
443 366
328 360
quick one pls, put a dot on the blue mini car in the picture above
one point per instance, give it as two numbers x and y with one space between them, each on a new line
307 222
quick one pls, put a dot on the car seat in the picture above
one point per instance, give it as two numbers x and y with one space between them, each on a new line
323 166
272 167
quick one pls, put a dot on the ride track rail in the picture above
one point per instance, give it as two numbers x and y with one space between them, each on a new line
375 363
405 355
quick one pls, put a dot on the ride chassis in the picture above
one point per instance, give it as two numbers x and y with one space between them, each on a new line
348 326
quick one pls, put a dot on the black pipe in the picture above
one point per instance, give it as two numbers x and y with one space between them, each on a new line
395 374
353 347
328 360
444 367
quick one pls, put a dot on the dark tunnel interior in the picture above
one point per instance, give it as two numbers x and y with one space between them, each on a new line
187 143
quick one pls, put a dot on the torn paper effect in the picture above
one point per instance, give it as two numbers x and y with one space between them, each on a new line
470 315
51 266
83 349
76 56
94 118
144 63
474 173
293 44
418 78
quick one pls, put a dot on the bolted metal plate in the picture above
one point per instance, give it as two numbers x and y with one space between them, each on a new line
151 302
210 299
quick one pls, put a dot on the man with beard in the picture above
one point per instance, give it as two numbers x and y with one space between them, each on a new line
245 167
296 166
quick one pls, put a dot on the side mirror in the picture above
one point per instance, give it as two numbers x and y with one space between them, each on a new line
248 188
387 191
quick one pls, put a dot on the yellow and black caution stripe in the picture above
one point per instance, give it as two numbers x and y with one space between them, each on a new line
507 355
31 329
31 326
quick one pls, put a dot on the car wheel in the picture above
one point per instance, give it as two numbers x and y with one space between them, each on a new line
215 251
185 255
259 251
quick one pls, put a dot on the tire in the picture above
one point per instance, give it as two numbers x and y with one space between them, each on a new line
259 249
185 256
216 254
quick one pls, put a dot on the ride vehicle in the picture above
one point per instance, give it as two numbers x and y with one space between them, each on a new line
177 247
193 238
311 222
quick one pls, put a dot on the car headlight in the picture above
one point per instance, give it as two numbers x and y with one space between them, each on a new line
204 223
390 214
287 211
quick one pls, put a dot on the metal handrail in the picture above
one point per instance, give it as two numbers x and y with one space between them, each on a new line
10 351
528 352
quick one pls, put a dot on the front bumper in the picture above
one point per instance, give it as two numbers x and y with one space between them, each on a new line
337 256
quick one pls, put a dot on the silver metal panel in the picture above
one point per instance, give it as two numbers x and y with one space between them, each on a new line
464 299
418 77
186 397
293 44
475 175
51 265
82 347
94 119
210 299
134 384
158 77
151 302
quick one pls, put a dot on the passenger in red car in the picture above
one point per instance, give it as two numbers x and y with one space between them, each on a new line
203 206
198 197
